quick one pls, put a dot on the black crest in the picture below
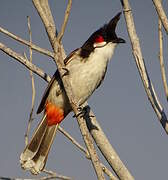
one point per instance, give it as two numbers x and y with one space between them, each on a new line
108 34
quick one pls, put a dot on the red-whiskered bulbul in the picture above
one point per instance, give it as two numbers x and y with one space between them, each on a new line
86 70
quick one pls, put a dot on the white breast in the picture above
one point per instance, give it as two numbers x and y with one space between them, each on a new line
86 76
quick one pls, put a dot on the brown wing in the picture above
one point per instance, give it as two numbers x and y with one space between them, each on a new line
45 95
70 57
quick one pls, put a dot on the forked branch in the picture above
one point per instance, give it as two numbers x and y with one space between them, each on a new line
27 43
161 14
136 50
24 61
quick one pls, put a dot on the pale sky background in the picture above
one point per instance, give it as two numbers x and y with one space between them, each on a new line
120 104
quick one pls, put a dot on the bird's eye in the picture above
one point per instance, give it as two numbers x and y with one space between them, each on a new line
99 39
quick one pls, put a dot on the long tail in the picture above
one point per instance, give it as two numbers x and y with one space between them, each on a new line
35 154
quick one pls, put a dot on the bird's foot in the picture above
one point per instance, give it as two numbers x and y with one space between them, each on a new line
81 112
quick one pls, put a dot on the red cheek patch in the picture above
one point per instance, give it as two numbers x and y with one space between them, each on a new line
99 39
54 114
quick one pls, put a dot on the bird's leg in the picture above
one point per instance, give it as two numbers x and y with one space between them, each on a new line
83 111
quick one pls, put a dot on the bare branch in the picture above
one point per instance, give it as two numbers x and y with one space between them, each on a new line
106 148
33 87
82 149
44 12
59 61
162 67
24 61
46 8
27 43
53 175
108 173
67 12
67 135
32 107
141 66
161 14
50 176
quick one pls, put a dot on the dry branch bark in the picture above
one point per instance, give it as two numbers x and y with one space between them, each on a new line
106 149
161 60
82 149
27 43
24 61
161 14
136 50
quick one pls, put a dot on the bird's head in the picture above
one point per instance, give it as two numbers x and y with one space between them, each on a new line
104 36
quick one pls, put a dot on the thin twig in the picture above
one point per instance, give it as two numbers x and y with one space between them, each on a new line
108 172
27 43
161 14
142 68
67 135
33 87
24 61
82 149
55 177
66 17
32 106
52 175
162 66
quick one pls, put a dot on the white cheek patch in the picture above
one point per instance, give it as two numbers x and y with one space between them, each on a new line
99 44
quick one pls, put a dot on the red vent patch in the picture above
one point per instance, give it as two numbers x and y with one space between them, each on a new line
54 114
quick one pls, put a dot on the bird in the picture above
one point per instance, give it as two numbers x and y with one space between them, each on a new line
86 67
